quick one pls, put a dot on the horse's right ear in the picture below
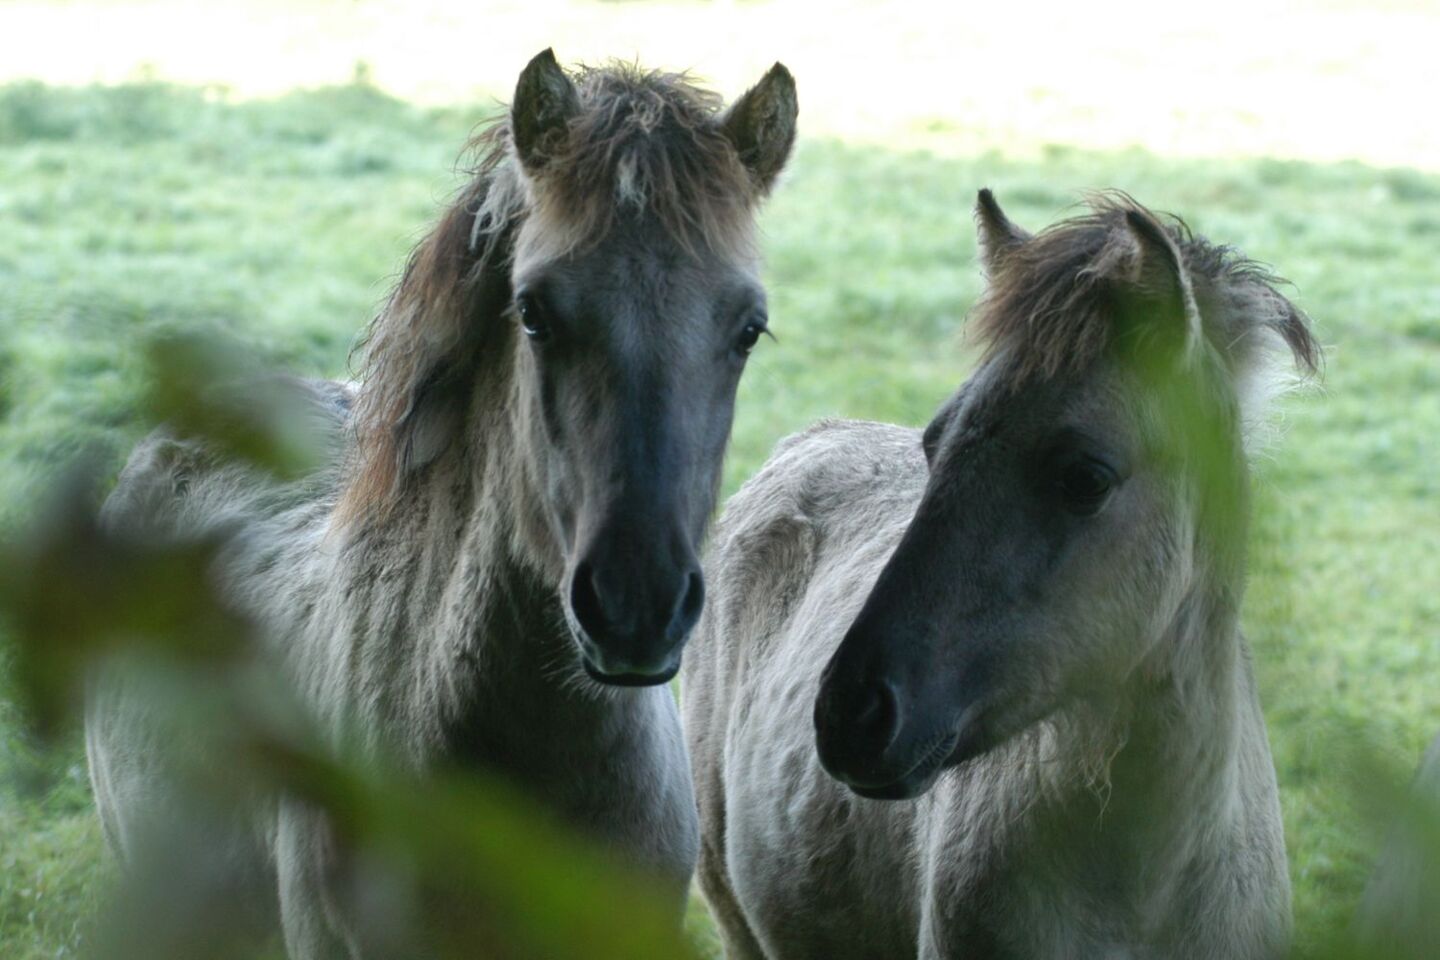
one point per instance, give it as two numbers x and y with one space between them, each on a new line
761 125
545 101
998 237
1143 258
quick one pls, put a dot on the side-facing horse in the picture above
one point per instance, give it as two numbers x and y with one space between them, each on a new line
1017 634
499 569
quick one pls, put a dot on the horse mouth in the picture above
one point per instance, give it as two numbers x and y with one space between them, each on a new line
628 679
920 777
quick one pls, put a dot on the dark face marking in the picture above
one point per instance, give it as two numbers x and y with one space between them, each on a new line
635 350
1085 485
1043 558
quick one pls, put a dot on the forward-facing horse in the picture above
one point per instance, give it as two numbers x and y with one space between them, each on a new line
523 478
1017 634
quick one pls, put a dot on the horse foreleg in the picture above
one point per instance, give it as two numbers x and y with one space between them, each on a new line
735 934
310 909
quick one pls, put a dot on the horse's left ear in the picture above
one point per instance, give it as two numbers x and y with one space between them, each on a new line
1143 258
998 236
761 125
545 101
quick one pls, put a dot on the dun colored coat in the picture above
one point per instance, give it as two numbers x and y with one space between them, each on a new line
498 569
981 691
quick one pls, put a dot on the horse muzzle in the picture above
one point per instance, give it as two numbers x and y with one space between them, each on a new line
632 621
870 739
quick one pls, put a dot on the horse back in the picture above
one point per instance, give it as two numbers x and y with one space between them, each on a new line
174 487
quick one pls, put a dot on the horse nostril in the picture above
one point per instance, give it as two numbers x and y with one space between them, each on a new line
687 610
585 601
877 714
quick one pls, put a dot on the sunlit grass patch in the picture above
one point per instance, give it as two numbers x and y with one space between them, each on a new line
1313 79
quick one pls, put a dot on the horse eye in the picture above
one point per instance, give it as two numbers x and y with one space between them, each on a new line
532 317
930 439
1085 484
751 333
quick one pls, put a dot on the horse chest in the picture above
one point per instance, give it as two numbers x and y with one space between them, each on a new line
613 766
995 895
811 882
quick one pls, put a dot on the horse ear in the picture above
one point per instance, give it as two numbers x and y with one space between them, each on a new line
545 101
439 400
428 425
1143 257
998 237
761 125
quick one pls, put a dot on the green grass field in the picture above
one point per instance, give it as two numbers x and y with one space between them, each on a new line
134 210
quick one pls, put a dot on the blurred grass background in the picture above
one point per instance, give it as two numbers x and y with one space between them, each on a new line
259 169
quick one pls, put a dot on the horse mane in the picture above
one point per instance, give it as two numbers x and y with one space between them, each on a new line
1053 303
643 142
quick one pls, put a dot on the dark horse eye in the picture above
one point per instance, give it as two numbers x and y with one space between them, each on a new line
532 317
1085 484
750 334
930 439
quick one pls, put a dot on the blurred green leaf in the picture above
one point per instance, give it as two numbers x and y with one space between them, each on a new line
444 867
71 593
200 389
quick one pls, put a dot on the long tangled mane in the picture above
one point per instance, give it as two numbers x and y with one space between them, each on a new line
1053 305
643 143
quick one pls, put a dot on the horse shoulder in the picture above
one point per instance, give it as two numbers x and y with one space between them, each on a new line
764 549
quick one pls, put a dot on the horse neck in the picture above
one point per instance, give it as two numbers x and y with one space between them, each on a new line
1179 764
492 675
1190 708
1166 792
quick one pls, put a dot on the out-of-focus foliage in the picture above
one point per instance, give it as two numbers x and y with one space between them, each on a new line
1400 914
196 391
71 594
144 211
450 866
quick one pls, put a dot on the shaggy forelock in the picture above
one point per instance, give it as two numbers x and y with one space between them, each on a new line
1052 306
644 142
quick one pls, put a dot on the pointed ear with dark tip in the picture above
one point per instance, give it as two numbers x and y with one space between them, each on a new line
545 101
998 237
761 125
1143 257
